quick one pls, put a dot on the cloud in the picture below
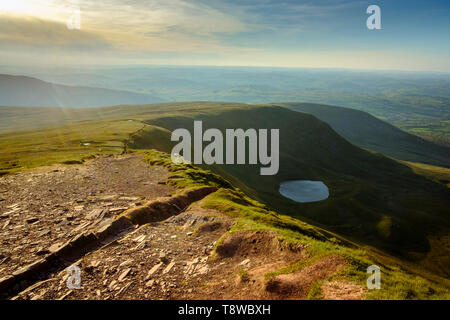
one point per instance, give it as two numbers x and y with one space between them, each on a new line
264 32
158 16
34 33
164 25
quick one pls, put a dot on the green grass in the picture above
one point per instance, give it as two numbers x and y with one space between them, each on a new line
369 132
397 282
243 274
68 144
372 197
434 173
36 136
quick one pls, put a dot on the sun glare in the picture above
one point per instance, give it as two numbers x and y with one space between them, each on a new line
37 8
16 6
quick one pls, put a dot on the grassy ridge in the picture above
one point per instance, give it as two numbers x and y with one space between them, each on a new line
69 144
374 199
398 282
34 136
362 184
366 131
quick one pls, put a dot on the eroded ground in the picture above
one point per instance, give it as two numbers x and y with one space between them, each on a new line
175 259
191 255
43 208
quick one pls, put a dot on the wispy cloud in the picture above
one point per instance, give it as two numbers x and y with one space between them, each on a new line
275 32
17 31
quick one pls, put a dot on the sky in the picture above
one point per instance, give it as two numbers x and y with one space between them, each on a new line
414 35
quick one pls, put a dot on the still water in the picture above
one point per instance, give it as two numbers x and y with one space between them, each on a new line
304 190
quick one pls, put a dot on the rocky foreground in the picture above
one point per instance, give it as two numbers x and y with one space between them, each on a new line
187 253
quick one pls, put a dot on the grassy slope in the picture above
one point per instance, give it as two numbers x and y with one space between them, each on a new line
70 143
373 198
399 279
368 132
34 136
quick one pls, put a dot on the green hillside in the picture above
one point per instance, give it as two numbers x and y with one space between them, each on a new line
366 131
373 199
400 279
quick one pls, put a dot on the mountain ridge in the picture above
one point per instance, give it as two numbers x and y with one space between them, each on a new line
32 92
369 132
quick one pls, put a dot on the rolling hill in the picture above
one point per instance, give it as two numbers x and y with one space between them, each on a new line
27 91
369 132
374 200
416 102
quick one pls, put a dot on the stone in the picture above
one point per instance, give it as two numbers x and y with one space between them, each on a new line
245 262
112 285
202 270
150 283
169 267
139 239
129 198
43 233
126 263
142 245
55 247
32 220
163 258
6 223
124 274
95 214
153 270
42 251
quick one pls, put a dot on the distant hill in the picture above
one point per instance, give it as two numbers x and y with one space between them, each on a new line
367 131
32 92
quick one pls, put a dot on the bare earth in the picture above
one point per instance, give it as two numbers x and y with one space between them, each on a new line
47 206
171 259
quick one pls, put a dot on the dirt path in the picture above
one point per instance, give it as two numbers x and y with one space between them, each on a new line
43 208
171 259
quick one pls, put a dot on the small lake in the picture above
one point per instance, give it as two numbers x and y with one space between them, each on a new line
304 190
